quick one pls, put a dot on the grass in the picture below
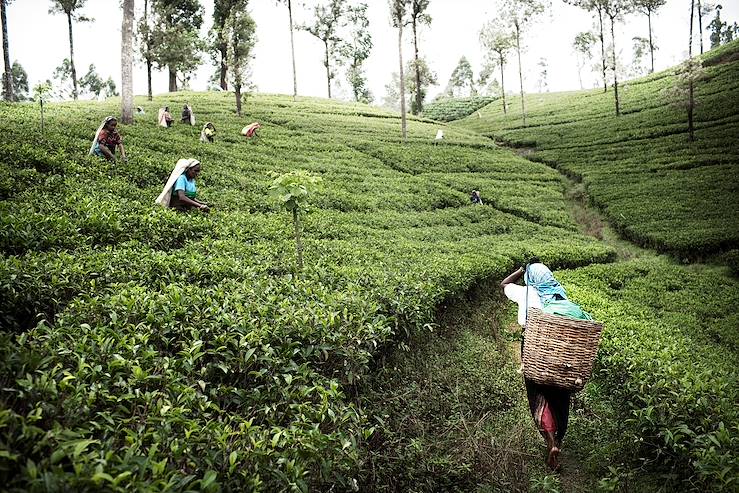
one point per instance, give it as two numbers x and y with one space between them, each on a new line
653 185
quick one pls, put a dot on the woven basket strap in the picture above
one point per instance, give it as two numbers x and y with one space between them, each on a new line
526 287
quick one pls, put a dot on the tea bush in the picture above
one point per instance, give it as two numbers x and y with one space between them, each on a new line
145 349
667 363
657 188
450 109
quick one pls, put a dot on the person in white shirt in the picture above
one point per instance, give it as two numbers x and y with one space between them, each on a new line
549 406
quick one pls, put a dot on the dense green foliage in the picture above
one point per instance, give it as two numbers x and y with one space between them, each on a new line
149 349
450 109
667 366
655 186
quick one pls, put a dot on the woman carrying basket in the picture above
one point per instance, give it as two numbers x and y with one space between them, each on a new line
549 406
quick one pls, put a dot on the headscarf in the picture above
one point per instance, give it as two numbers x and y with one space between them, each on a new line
181 166
203 137
250 129
192 115
541 278
97 134
162 121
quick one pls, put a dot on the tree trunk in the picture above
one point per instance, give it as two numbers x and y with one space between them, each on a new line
691 105
690 38
148 50
8 76
579 74
127 62
520 73
223 68
292 50
328 69
615 68
172 80
298 240
71 57
602 50
651 45
237 91
403 122
700 24
148 78
419 101
502 85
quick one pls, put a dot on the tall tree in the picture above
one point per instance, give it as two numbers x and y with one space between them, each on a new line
176 42
289 5
615 10
682 94
640 47
7 74
520 14
497 42
543 81
717 27
62 75
19 83
418 73
327 20
127 62
239 30
583 44
221 10
418 16
462 76
356 50
70 8
398 10
146 45
597 7
690 36
649 8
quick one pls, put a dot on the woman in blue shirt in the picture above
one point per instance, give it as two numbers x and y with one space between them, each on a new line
185 191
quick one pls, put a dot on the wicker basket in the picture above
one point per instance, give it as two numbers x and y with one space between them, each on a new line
559 351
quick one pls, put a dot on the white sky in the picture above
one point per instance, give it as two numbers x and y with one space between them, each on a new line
39 41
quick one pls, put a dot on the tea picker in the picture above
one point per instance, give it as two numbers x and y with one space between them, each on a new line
560 342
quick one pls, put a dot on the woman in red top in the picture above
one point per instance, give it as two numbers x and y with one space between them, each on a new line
107 139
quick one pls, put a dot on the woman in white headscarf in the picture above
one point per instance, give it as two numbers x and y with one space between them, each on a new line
107 139
165 117
208 133
180 191
188 116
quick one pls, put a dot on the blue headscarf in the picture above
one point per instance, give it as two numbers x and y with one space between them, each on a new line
542 279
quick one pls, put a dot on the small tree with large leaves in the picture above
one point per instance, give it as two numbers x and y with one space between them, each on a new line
293 190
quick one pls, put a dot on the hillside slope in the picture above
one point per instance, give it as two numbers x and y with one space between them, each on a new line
654 186
179 351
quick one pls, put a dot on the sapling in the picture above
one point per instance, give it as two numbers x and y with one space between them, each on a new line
41 92
293 190
682 93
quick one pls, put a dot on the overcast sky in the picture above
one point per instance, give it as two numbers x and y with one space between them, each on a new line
39 41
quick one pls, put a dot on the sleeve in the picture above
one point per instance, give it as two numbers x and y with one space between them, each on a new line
180 183
514 292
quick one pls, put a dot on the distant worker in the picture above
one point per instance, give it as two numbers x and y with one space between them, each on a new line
208 134
180 192
140 110
251 130
165 117
439 136
475 197
107 139
549 406
187 115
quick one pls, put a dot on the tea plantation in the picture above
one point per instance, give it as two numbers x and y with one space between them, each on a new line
149 350
656 187
145 349
450 109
